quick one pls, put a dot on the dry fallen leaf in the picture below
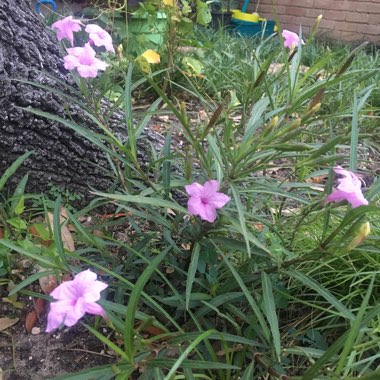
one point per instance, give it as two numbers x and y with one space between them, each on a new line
47 283
39 306
30 320
67 238
7 322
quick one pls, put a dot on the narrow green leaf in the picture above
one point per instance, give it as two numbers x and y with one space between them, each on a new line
271 314
187 351
104 372
39 258
143 200
29 280
242 221
193 364
312 372
18 199
106 341
57 230
191 272
12 169
354 331
256 118
323 292
255 308
133 302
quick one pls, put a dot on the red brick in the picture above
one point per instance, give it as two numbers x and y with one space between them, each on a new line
332 4
339 25
295 11
268 9
368 29
365 7
357 17
373 19
351 36
301 3
334 15
314 12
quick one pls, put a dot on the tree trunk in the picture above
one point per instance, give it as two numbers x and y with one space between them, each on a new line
28 50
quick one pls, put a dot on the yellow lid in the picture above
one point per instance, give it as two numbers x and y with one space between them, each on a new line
239 15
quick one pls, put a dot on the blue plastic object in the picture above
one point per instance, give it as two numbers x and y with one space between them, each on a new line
249 29
245 6
45 2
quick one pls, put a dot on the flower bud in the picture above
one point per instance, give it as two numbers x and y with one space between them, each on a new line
120 52
364 231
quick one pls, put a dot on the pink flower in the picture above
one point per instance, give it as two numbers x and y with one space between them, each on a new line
291 39
349 189
74 299
204 200
66 27
83 59
100 37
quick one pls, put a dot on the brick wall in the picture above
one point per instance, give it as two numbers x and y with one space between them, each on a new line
348 20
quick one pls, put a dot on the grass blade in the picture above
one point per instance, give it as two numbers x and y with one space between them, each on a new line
132 304
270 312
191 272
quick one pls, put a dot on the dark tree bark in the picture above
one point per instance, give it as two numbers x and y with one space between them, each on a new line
28 50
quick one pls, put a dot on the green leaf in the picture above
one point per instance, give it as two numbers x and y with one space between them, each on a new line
354 331
39 258
12 169
323 292
243 224
18 201
17 223
255 308
162 203
104 372
57 231
29 280
312 372
270 312
133 302
187 352
108 342
194 364
191 272
203 13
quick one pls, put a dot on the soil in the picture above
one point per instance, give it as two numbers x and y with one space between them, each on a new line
25 356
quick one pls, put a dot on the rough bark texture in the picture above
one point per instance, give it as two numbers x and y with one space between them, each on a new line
27 50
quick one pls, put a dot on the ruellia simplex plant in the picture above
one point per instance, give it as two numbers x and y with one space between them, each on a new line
229 270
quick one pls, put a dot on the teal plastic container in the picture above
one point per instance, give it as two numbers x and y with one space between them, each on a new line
250 29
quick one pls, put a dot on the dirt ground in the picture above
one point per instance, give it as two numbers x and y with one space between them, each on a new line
25 356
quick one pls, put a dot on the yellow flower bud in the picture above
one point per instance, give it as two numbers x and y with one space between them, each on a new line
364 231
120 52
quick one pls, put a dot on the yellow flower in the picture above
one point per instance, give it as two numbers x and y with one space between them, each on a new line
151 56
170 3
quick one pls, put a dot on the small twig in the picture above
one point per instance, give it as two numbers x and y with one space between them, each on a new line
90 352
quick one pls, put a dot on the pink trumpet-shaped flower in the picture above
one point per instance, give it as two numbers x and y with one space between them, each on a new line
74 299
66 27
204 200
291 39
349 189
100 37
83 59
